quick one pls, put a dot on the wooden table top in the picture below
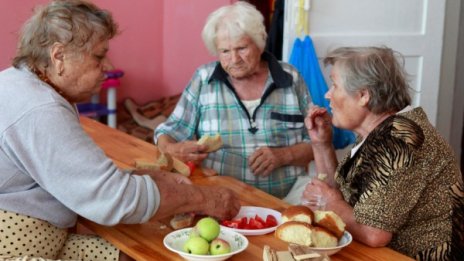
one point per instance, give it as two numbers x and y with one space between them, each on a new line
145 241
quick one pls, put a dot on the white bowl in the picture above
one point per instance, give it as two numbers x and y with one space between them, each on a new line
251 212
343 242
175 241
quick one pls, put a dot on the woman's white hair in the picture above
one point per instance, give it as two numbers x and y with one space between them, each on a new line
239 19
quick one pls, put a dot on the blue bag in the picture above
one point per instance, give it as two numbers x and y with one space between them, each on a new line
304 59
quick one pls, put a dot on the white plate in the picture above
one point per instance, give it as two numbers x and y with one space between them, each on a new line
343 242
251 212
175 241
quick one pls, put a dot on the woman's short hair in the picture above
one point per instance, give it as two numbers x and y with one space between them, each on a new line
77 24
376 69
240 18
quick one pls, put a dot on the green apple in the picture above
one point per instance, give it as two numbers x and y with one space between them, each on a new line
208 228
197 246
219 246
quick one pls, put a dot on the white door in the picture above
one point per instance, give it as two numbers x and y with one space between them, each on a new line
411 27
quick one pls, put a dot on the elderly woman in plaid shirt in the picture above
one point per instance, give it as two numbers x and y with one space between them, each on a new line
256 103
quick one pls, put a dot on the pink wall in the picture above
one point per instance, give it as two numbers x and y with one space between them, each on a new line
183 47
159 47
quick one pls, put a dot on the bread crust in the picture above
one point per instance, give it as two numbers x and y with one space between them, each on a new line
330 221
323 238
295 232
298 213
179 221
212 142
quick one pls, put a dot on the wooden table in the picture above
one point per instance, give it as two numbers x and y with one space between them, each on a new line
145 241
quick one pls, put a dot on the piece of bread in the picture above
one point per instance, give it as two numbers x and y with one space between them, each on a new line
270 254
180 167
163 162
295 232
321 237
330 221
213 142
304 253
146 164
298 213
322 176
179 221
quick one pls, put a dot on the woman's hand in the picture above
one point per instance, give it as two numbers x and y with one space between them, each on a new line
187 151
317 188
319 125
179 195
219 202
264 160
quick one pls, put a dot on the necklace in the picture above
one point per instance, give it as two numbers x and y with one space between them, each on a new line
46 80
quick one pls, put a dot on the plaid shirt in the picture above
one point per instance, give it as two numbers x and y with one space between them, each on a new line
209 105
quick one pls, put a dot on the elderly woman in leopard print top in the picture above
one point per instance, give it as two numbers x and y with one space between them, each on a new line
400 186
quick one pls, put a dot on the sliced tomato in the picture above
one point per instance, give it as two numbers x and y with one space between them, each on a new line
253 224
231 223
271 221
243 222
260 220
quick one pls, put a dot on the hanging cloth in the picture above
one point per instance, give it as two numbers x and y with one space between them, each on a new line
304 58
302 22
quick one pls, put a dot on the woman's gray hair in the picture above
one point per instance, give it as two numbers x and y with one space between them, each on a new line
77 24
239 19
376 69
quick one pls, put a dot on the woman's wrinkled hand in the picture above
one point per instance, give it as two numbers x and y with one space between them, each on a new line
319 124
188 151
220 202
318 188
264 160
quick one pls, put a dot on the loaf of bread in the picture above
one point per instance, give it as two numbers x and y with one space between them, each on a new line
330 221
295 232
213 142
321 237
298 213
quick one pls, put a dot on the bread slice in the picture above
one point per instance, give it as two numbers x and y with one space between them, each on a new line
295 232
180 167
298 213
330 221
270 254
179 221
213 142
323 238
164 162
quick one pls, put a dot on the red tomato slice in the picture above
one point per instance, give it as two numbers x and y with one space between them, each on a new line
243 222
271 221
253 224
231 223
260 220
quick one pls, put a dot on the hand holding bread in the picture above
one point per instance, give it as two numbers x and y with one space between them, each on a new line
212 142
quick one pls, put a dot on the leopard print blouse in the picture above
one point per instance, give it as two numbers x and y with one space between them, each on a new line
405 179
